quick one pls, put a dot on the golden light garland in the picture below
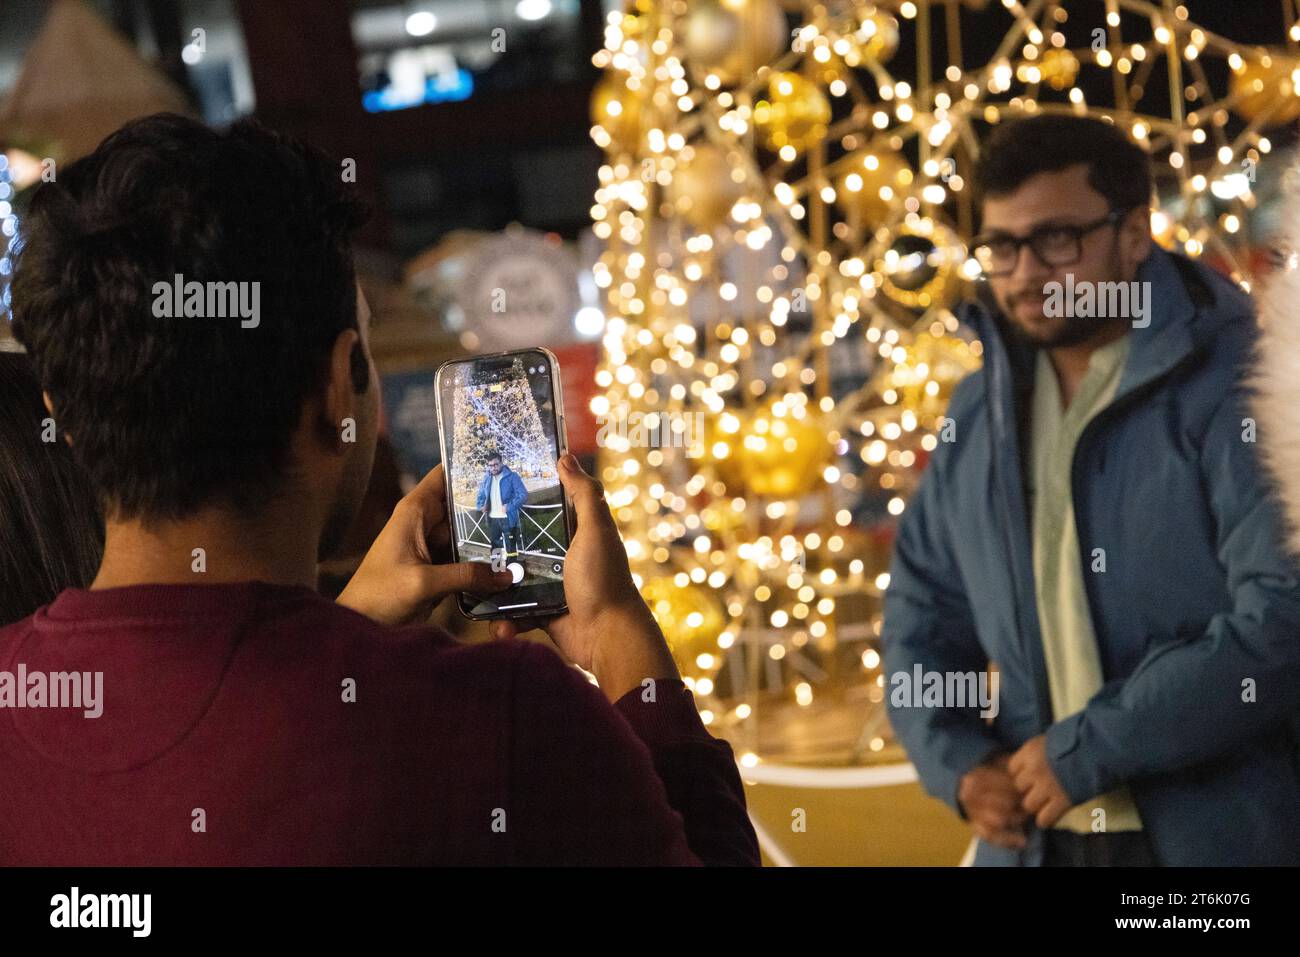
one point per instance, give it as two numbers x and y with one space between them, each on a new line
768 204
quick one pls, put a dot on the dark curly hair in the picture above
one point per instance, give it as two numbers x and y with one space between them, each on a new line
1017 150
169 415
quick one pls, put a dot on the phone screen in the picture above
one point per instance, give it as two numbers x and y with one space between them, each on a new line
502 437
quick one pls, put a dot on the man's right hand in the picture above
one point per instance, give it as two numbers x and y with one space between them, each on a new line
608 628
991 802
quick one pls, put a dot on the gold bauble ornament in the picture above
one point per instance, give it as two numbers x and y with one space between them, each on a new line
761 453
877 38
691 618
874 42
1261 84
796 113
733 38
702 190
617 110
784 456
943 360
920 268
1058 68
873 183
721 517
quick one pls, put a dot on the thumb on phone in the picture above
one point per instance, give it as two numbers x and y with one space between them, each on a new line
439 581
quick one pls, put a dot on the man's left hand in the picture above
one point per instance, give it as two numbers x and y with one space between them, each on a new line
400 581
1041 793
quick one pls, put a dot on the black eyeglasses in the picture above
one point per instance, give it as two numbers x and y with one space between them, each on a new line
1053 245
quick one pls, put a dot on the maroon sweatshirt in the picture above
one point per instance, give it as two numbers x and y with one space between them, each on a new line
262 724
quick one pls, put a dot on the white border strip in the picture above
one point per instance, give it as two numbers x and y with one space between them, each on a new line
792 776
769 846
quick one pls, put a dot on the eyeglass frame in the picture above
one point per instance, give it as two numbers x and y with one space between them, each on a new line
1110 219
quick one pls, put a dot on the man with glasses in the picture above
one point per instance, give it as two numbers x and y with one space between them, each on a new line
1099 531
501 495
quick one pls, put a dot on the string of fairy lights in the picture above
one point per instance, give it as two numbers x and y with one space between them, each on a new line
8 237
775 197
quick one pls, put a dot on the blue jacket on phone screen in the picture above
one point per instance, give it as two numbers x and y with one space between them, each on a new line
1197 614
513 493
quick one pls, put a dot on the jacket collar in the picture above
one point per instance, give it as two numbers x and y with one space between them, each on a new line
1168 339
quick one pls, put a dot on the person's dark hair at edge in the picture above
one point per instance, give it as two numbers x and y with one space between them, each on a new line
51 535
1018 150
168 415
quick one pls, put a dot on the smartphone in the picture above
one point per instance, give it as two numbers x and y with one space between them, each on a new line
501 428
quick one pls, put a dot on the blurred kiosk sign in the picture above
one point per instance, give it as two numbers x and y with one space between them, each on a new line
519 289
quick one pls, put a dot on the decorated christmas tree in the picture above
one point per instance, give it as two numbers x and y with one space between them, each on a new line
500 418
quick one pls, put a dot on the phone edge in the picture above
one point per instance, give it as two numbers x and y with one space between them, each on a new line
562 434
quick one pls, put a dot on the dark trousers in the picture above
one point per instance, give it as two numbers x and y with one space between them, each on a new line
504 535
1118 849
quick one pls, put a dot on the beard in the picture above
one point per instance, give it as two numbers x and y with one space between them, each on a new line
1024 312
1058 333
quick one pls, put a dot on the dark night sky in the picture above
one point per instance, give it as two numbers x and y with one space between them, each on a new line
1244 21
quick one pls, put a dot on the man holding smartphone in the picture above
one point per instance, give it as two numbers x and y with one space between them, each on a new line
501 495
247 720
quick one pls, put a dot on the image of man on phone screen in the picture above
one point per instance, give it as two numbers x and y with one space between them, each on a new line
501 494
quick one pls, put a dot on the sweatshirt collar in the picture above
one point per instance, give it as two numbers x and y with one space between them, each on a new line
163 602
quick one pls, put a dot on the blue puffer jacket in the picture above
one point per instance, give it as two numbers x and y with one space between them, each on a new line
1197 606
513 494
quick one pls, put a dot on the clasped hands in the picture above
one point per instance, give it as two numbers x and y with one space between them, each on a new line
1001 795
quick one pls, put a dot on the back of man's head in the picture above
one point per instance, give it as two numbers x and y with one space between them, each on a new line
171 414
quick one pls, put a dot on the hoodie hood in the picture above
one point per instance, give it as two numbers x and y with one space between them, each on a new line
1276 379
